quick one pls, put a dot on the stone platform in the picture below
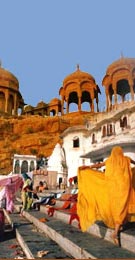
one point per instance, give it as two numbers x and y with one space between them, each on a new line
76 244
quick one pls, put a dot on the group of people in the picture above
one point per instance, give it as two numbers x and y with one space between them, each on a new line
108 196
28 194
23 183
42 186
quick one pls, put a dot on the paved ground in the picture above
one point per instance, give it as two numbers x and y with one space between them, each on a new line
9 246
35 240
92 244
96 247
58 239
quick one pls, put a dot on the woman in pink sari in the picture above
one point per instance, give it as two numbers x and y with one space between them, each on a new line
11 184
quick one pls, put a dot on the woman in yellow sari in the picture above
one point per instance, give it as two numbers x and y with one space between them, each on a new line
108 196
26 193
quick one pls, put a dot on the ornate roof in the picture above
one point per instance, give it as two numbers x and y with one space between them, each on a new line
78 74
28 108
55 101
121 63
6 75
41 104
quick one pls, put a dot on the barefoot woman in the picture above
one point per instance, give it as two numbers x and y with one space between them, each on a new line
107 196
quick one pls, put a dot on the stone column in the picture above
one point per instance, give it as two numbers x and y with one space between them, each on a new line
62 106
97 103
15 104
92 101
67 108
6 100
79 103
114 86
131 84
107 98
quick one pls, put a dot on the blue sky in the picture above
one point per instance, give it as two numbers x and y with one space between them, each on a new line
42 41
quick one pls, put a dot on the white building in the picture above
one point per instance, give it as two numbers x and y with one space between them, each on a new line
57 163
93 141
24 163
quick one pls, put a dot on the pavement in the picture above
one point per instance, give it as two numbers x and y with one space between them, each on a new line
9 246
33 242
72 241
39 235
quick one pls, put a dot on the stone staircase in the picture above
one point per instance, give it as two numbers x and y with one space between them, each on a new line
127 236
67 241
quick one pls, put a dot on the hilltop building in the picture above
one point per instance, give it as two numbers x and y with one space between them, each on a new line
11 101
93 140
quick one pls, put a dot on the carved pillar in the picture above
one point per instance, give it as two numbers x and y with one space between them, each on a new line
62 106
114 86
131 84
107 98
56 111
67 108
15 104
6 100
97 103
123 98
79 103
92 101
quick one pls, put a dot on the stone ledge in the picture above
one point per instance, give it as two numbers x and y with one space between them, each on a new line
127 237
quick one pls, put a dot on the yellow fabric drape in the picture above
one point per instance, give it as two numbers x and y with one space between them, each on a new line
108 196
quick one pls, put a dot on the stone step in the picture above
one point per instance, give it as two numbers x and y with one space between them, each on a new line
127 236
9 246
34 244
78 244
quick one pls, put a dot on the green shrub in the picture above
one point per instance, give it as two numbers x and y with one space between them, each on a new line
29 130
33 151
14 137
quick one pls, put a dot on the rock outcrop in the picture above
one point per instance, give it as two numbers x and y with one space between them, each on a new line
33 135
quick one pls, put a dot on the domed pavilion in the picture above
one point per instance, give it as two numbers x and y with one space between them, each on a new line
79 87
10 97
119 82
55 106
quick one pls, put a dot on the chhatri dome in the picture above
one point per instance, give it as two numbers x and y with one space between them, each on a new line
41 104
55 101
123 62
6 77
79 87
119 82
78 75
10 97
55 106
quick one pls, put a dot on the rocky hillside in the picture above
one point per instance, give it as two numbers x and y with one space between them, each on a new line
32 135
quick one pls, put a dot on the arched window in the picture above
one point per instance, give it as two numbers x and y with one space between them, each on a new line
2 101
111 129
125 121
17 166
32 166
93 138
104 131
52 112
24 167
108 130
75 142
11 105
121 122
